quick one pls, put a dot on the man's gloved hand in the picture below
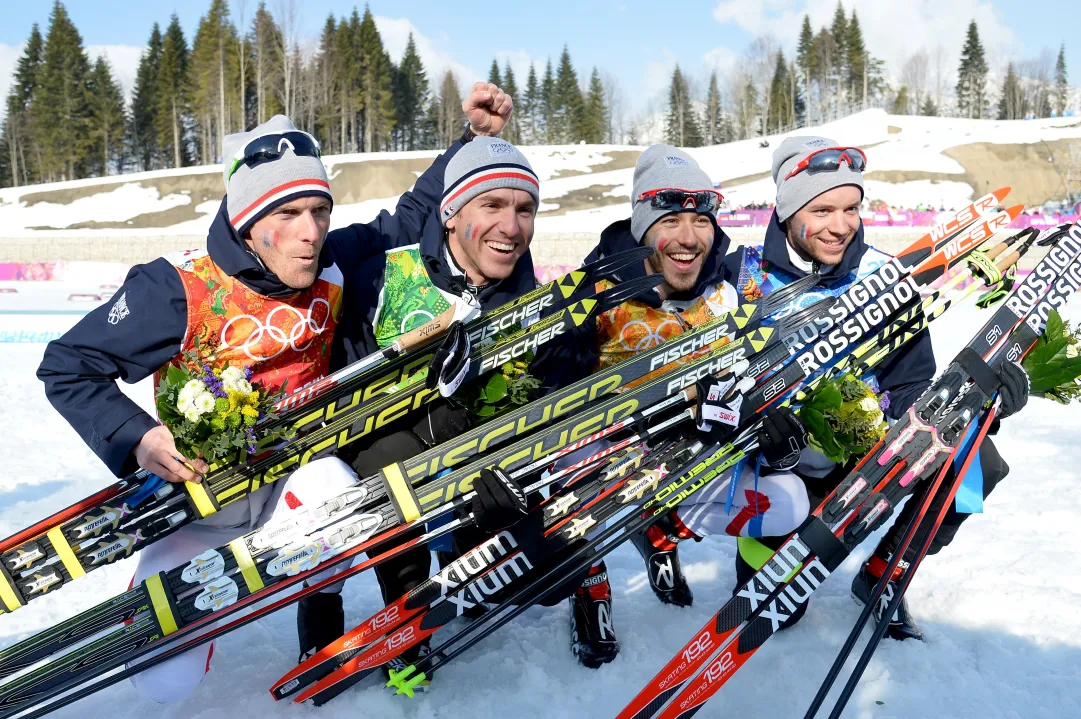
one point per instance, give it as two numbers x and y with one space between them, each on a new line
716 413
499 502
1014 390
450 364
781 438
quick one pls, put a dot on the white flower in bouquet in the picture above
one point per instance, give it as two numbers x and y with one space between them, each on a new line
186 397
244 386
204 403
192 415
231 377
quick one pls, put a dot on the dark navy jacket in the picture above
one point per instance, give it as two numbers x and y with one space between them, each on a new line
905 373
80 369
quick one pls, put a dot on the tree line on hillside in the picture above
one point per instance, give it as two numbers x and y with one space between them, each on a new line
67 117
832 73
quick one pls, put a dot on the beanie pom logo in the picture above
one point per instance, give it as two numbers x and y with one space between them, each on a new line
676 161
501 149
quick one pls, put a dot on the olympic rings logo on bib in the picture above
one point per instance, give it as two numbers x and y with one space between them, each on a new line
651 338
283 328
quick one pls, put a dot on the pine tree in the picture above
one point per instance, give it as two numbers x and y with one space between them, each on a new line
901 102
59 110
107 118
594 128
856 60
376 97
493 74
780 105
173 93
570 107
714 116
928 109
215 77
17 149
805 62
328 71
411 97
972 76
681 123
548 108
513 131
530 110
839 32
1012 105
142 136
1062 84
349 84
264 39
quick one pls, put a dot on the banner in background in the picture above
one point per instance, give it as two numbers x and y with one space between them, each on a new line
761 218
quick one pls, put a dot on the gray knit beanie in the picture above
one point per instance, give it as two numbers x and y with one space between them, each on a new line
254 191
486 163
794 193
661 167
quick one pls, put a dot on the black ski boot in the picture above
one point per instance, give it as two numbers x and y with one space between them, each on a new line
403 660
901 625
658 546
593 636
320 621
744 570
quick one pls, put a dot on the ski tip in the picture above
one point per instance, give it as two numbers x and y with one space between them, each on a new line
598 269
625 291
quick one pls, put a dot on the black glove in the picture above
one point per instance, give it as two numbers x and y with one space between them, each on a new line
1014 390
781 438
499 502
450 364
716 413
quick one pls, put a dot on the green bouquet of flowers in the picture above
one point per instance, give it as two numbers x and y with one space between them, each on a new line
1054 364
213 409
844 417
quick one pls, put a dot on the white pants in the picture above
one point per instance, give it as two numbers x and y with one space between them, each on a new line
176 678
775 507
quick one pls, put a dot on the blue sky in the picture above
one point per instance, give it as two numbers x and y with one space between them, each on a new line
635 42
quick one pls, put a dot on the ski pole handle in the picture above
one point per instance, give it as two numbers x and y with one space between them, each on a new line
419 336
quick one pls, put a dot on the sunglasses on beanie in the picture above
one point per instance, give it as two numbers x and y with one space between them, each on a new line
677 199
829 159
271 147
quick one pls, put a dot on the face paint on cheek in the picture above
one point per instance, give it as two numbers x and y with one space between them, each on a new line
662 244
469 231
270 238
803 232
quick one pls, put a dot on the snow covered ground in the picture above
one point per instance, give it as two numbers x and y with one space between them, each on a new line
999 608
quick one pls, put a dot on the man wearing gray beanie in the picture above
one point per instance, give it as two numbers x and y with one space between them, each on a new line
815 228
268 295
470 253
673 211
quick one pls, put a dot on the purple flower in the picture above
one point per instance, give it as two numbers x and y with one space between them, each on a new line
884 401
250 435
247 373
